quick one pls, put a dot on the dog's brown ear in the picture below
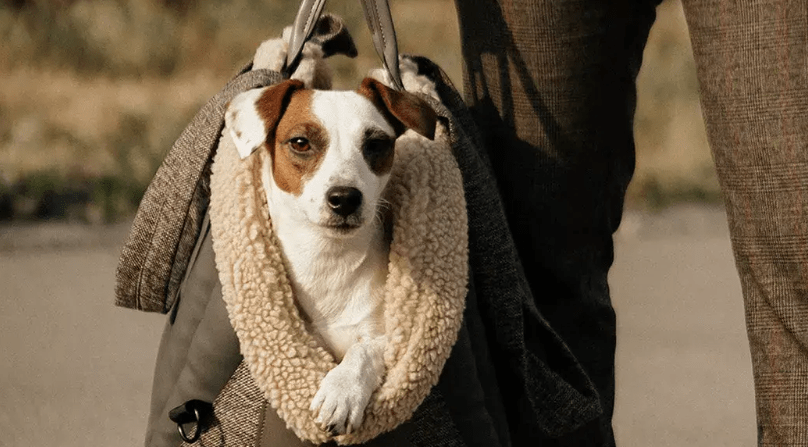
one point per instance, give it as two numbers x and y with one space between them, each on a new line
403 110
252 116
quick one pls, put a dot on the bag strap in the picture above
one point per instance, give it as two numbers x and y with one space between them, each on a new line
380 22
382 31
302 29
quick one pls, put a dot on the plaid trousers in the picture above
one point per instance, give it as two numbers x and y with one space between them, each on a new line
552 86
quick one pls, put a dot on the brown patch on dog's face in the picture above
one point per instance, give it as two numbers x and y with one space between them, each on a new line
298 144
273 103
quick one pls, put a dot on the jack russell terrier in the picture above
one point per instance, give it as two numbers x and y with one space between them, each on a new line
331 154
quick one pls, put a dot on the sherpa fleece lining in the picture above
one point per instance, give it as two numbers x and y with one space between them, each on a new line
425 290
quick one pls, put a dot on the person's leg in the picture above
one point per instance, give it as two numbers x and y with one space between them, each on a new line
752 61
551 86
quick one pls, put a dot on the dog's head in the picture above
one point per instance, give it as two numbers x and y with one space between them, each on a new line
331 151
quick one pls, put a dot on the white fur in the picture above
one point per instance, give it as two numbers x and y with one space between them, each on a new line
413 82
312 69
246 126
271 54
338 278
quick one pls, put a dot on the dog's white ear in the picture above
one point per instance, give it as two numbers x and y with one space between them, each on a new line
252 116
402 109
245 125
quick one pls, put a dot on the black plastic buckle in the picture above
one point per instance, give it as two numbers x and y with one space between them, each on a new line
191 412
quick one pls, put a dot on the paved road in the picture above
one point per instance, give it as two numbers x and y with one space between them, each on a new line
684 372
77 370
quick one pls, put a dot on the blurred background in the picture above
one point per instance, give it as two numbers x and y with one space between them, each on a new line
93 94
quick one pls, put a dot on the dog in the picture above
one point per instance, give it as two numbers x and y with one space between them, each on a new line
331 155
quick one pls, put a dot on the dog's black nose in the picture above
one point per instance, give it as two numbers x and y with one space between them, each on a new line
344 200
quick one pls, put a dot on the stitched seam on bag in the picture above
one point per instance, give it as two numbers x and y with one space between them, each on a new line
151 244
138 289
309 17
381 28
204 229
185 222
262 423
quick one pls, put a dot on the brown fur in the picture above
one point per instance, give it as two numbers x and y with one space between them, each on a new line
289 169
286 112
273 102
401 109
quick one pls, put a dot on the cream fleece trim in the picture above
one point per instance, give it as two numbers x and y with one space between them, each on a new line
425 294
424 300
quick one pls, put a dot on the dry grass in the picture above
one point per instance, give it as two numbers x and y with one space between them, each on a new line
92 94
673 158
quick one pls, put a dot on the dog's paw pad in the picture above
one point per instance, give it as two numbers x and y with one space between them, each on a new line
339 404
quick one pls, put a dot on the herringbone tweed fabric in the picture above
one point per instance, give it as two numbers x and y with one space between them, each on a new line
238 413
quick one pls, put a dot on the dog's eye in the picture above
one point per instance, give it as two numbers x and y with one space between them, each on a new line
378 145
299 144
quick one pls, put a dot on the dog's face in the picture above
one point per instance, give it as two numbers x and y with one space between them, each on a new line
331 152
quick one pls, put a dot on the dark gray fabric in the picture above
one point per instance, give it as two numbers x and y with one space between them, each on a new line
551 87
432 426
469 392
545 391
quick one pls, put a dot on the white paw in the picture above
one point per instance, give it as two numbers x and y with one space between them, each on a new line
341 400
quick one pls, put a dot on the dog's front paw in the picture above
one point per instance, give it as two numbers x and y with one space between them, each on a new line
341 400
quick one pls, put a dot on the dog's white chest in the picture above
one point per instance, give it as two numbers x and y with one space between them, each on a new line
338 286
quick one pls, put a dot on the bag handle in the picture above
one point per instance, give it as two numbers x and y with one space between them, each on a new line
382 31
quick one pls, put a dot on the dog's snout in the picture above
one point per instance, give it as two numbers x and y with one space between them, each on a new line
344 200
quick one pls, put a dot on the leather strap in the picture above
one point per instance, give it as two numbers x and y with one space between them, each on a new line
382 31
380 22
302 29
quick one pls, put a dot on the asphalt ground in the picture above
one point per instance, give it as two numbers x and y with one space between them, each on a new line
77 369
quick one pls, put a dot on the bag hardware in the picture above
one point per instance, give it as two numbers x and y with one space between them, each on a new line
191 412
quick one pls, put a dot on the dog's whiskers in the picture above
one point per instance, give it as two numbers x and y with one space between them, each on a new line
384 203
382 208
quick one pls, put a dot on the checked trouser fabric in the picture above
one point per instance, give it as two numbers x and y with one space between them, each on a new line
752 60
551 84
